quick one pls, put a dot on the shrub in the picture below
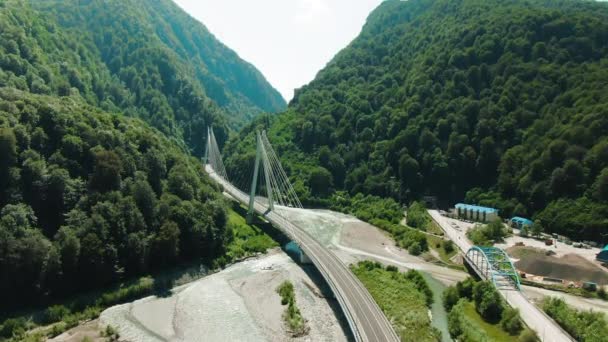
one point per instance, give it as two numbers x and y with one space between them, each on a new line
55 313
392 268
448 246
511 322
12 326
450 298
582 325
285 290
528 335
415 249
487 301
417 216
465 288
601 292
111 333
421 284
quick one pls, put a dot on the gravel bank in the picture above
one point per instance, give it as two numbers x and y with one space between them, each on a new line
237 304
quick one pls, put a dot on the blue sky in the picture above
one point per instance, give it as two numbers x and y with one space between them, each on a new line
289 41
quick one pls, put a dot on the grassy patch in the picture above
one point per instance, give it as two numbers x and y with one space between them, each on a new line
442 248
493 331
466 324
433 228
292 315
246 239
576 291
404 298
478 313
419 218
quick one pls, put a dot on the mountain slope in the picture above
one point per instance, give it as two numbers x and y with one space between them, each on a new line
120 56
228 80
89 198
90 193
499 102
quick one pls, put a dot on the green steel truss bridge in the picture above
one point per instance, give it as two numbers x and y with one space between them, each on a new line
493 264
365 318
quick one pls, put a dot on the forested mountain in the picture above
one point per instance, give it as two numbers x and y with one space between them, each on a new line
501 103
90 193
147 59
88 198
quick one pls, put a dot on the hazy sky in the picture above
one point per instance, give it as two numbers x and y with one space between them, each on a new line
289 41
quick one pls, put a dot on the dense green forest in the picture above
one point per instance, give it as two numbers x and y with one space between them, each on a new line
146 59
89 198
500 103
90 193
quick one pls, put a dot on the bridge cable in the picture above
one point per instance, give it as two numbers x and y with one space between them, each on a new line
281 194
289 188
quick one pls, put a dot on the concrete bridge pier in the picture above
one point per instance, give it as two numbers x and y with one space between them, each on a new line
304 259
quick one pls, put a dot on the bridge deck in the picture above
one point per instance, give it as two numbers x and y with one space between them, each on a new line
365 318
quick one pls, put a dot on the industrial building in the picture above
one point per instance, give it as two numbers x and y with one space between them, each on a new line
520 222
602 256
476 213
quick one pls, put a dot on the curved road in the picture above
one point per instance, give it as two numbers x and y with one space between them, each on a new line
364 316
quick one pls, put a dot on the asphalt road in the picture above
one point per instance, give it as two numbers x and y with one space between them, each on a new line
366 319
546 328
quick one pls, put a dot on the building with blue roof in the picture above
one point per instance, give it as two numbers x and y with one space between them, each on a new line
520 222
602 256
476 212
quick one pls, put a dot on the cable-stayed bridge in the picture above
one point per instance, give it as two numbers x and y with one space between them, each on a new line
364 316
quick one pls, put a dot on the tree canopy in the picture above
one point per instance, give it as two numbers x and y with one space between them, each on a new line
146 59
89 198
500 103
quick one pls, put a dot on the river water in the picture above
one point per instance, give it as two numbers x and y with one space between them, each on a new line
440 316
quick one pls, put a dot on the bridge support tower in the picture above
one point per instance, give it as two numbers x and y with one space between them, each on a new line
260 154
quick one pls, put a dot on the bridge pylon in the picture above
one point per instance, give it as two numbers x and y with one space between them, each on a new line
261 157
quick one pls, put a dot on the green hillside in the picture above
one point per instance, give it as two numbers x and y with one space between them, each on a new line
501 103
147 59
89 198
101 105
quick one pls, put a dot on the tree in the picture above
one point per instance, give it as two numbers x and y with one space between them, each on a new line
324 156
496 230
409 174
146 200
511 322
417 216
166 243
8 149
537 229
182 181
450 297
465 288
600 186
448 246
68 244
415 249
320 181
106 176
487 301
